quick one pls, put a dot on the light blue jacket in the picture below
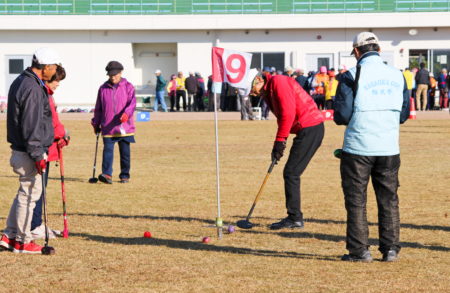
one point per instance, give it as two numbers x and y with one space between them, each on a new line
380 106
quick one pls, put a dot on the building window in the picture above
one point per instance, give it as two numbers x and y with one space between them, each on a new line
261 60
15 66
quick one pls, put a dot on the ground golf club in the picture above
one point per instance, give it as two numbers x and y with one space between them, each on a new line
93 179
63 189
46 250
246 224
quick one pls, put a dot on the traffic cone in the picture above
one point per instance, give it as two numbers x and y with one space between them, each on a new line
412 112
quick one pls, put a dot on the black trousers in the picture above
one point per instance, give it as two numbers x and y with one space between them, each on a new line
200 103
181 94
320 102
305 145
356 172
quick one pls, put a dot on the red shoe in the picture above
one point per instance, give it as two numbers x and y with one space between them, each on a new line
30 248
7 243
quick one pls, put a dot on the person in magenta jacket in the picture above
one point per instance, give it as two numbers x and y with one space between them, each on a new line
113 117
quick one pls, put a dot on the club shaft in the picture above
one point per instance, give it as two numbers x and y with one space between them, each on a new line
44 199
95 159
262 188
63 186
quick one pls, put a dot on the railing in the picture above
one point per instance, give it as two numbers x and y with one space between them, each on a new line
137 7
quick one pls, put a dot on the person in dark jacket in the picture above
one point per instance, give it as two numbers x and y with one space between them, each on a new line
160 87
302 80
223 97
61 140
373 114
200 93
423 83
30 133
192 86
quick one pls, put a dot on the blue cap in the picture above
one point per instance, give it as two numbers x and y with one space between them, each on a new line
267 69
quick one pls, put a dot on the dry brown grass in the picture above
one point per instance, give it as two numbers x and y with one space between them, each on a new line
172 194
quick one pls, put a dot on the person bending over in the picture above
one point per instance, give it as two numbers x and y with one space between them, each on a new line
296 113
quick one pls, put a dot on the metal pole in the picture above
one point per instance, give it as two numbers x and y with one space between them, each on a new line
218 220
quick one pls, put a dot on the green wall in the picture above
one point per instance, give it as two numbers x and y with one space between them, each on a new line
218 6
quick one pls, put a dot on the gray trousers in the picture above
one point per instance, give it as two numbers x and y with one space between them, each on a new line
18 225
211 101
246 107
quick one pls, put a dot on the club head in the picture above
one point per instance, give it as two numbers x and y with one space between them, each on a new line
338 153
47 250
66 233
244 224
93 180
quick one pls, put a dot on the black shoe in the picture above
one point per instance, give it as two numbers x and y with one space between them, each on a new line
390 256
105 178
287 223
124 180
362 257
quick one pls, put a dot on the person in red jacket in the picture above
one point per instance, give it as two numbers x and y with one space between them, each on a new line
61 139
296 113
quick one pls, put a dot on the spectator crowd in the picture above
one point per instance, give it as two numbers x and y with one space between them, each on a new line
198 94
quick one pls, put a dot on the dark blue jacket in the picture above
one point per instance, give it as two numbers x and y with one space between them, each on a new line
344 101
302 81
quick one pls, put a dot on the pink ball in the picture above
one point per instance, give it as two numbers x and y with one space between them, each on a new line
206 240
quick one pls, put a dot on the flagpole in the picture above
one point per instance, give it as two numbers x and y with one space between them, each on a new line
219 222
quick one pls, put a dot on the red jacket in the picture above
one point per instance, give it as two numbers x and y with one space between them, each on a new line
60 132
292 106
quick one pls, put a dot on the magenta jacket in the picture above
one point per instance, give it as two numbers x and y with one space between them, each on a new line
112 102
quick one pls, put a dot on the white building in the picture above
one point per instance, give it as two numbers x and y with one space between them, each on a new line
171 43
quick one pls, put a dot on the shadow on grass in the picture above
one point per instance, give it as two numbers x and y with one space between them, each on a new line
404 225
176 219
54 178
325 221
196 245
337 238
69 179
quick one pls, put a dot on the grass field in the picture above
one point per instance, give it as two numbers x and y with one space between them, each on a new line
172 193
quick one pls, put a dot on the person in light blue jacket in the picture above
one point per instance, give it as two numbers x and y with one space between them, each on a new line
372 103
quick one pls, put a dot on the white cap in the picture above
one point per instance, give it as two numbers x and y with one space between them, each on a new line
362 39
273 69
341 67
47 56
191 72
289 68
157 71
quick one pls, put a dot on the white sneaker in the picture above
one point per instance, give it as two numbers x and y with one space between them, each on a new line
39 233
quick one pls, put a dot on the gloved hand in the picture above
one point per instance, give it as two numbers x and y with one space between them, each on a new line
40 165
278 150
97 130
124 118
63 142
